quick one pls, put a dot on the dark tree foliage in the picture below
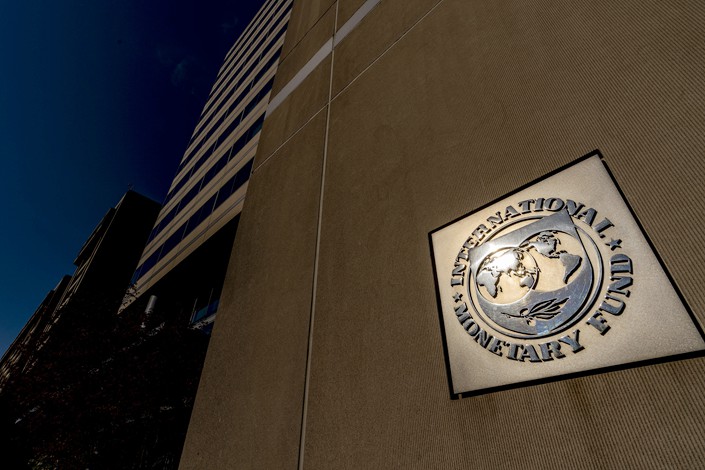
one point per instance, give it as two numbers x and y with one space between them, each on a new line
105 391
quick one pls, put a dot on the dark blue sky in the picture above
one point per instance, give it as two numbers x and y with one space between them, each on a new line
95 95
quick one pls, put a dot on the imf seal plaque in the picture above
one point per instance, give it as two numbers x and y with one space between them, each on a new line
557 278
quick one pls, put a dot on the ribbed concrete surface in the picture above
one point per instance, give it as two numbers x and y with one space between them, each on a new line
435 113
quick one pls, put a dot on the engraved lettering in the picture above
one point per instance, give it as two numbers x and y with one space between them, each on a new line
619 284
553 204
550 349
510 212
602 226
470 243
529 353
495 346
599 323
513 350
620 263
495 219
588 216
539 205
574 343
480 231
612 309
572 207
515 273
482 338
460 309
469 325
526 206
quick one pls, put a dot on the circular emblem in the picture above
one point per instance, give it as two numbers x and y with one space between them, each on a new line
534 277
524 282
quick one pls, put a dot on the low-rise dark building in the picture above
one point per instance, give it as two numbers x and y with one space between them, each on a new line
50 388
19 356
103 269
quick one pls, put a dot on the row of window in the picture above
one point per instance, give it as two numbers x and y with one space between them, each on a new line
195 220
237 146
205 312
238 49
236 71
253 82
225 134
236 60
214 128
229 68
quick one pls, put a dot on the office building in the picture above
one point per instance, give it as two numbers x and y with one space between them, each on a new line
104 265
392 118
184 261
19 357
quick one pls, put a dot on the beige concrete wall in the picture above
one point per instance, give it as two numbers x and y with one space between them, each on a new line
329 335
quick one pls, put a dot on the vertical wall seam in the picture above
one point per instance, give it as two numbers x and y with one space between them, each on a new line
314 287
322 53
353 21
301 75
304 410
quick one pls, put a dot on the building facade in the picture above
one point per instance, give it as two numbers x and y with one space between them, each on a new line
103 268
208 190
390 119
19 356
